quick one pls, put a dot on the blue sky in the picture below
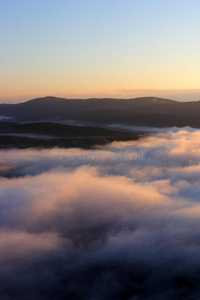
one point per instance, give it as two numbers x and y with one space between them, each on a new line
71 48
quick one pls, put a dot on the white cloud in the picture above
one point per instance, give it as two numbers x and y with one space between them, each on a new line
93 228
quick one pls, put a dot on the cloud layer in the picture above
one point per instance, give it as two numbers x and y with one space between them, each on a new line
121 222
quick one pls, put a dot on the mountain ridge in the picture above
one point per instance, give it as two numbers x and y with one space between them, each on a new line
137 99
58 99
142 111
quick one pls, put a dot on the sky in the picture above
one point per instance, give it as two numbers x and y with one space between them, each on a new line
92 48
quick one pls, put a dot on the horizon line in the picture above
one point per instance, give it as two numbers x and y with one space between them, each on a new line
98 98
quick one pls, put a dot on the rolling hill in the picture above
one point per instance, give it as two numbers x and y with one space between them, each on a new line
146 111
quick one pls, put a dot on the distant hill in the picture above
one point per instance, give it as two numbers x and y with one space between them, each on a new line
147 111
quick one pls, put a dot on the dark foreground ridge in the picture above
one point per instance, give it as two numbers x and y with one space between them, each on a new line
146 111
48 135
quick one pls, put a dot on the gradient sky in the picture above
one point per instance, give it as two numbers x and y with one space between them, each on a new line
99 48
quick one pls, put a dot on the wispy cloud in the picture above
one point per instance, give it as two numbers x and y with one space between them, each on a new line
174 94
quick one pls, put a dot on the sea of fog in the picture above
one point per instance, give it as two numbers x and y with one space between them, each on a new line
117 222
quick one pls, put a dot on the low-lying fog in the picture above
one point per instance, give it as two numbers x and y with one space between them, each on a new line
146 129
29 135
119 222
